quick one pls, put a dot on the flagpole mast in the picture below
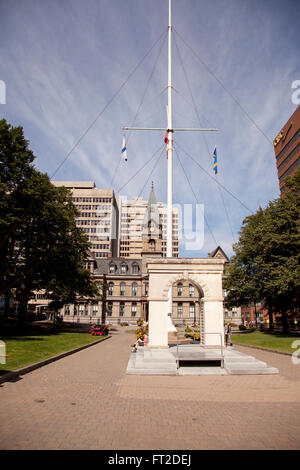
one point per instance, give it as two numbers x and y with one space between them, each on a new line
170 140
170 131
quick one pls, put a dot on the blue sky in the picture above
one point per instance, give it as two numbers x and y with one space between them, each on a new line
63 62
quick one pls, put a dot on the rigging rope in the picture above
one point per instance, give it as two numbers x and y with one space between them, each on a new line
139 107
150 174
188 180
141 168
214 179
203 134
224 88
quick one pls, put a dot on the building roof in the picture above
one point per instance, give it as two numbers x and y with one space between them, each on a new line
103 266
218 253
75 184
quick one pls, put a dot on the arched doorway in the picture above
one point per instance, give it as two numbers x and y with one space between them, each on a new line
188 305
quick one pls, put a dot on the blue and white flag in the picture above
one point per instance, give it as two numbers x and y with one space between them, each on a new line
215 161
124 151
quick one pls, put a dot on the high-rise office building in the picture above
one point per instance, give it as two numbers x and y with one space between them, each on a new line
132 222
287 148
98 215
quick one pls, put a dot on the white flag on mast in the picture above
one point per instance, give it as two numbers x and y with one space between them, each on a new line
124 150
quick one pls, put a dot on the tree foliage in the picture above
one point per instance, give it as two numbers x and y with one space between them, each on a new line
40 245
265 265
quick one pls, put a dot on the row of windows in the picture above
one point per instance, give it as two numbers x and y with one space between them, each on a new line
290 170
93 222
180 290
124 268
91 230
288 158
91 199
82 309
92 207
122 309
134 289
95 215
192 310
285 149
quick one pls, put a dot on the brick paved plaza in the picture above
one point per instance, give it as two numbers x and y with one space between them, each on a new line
86 401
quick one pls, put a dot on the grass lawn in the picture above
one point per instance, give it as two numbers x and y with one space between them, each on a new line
26 349
276 341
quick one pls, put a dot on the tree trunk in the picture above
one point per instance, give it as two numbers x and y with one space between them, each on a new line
54 321
6 303
285 325
22 312
271 324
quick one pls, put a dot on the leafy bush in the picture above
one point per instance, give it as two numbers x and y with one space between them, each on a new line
188 330
141 332
242 327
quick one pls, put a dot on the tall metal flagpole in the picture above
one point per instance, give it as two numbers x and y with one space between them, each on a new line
170 140
170 132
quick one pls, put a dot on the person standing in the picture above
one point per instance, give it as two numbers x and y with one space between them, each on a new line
228 334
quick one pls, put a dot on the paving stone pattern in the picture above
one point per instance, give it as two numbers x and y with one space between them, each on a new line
86 401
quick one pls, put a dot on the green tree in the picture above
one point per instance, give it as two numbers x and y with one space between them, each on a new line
15 167
41 247
266 261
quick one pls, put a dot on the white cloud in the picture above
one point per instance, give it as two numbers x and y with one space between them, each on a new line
64 61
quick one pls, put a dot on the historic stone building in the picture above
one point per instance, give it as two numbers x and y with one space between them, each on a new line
124 282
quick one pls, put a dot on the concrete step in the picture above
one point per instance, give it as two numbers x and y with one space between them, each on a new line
155 371
153 365
258 371
155 357
152 362
247 365
234 359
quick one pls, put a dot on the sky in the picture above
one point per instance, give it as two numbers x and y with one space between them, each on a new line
76 72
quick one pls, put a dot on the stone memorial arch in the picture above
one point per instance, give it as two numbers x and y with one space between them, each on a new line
206 275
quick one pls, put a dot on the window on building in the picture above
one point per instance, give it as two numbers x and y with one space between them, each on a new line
122 289
133 309
226 313
122 309
109 309
95 310
234 312
135 269
179 289
111 288
146 288
81 309
191 290
67 310
192 310
123 268
134 289
112 268
151 245
179 310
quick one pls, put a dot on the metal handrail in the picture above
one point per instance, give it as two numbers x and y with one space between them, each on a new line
204 333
